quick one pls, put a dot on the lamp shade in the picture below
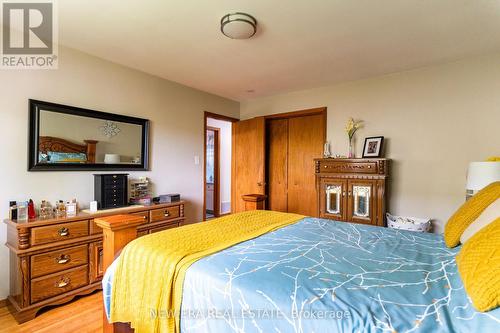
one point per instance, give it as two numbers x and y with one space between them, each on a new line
112 158
481 174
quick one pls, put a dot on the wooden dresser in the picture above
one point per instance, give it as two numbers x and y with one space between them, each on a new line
52 261
352 190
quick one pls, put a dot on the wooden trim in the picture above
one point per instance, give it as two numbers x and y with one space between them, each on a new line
218 117
3 303
299 113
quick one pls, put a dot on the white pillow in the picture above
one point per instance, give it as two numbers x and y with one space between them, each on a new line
490 214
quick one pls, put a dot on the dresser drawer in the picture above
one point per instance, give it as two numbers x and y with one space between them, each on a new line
340 166
164 227
145 215
59 232
164 214
56 261
114 180
58 283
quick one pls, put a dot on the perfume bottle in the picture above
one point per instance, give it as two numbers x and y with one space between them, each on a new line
71 208
13 210
60 209
31 210
45 210
22 211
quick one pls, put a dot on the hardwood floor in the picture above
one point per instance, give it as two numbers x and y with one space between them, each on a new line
83 315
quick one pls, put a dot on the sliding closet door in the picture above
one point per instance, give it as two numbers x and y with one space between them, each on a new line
306 136
248 176
277 164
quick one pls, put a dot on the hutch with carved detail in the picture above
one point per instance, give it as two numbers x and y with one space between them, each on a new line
352 190
54 260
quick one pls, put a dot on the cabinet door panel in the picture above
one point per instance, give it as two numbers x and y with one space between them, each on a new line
96 262
361 201
306 136
333 201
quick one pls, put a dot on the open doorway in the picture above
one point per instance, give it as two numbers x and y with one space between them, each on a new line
218 157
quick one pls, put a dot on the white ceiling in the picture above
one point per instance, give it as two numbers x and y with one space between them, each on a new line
300 43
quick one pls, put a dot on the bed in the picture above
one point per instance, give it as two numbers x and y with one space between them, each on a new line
319 275
49 144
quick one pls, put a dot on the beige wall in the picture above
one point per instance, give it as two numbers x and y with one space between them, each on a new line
435 121
175 111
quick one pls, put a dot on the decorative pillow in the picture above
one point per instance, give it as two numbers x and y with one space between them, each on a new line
479 266
56 157
469 212
490 214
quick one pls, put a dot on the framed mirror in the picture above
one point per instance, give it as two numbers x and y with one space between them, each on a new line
69 138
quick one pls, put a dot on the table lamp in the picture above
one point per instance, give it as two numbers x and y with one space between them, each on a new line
481 174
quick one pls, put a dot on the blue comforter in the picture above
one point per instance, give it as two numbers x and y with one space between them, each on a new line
323 276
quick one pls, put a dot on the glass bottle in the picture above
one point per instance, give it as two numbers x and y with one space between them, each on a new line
22 211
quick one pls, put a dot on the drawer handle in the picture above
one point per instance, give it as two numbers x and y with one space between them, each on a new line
63 259
167 213
144 217
63 282
63 232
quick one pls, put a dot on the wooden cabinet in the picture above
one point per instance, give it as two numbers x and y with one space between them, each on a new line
52 261
352 190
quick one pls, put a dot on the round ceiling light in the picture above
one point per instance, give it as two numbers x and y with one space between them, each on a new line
238 25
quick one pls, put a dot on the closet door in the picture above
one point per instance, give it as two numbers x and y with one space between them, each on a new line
306 136
248 176
277 165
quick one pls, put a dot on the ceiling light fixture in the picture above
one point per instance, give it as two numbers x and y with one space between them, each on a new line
238 25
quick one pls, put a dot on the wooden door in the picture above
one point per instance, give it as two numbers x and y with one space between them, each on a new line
306 136
277 164
248 176
361 201
333 199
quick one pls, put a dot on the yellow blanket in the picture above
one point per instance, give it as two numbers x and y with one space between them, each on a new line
148 280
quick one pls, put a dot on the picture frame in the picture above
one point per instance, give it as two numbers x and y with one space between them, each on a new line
373 146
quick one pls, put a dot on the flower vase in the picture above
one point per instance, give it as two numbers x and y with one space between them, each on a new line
350 154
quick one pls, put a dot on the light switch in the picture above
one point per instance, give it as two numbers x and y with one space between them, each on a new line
196 160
